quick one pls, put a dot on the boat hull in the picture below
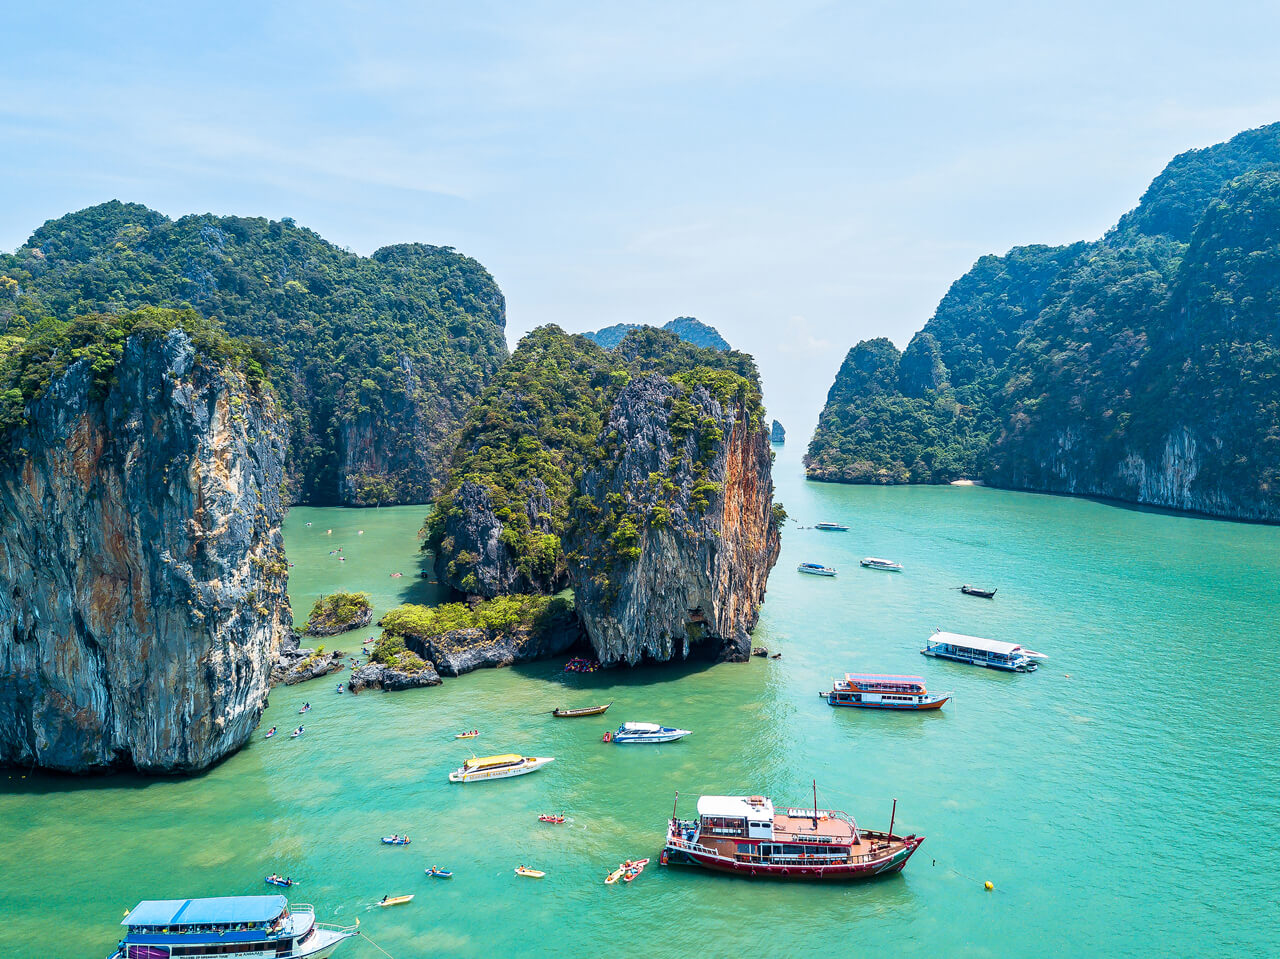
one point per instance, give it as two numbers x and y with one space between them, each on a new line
1025 667
625 740
933 704
842 872
575 713
479 775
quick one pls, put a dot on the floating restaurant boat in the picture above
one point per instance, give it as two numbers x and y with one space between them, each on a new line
746 836
978 591
817 569
873 562
582 711
982 652
228 926
832 527
498 767
646 733
874 691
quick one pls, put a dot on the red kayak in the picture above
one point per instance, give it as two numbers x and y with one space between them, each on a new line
554 819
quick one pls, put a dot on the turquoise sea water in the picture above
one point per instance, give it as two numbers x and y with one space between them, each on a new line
1123 800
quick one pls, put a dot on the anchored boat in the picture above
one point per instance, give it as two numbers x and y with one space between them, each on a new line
874 691
228 926
874 562
982 652
832 527
745 835
498 767
582 711
817 569
978 591
647 733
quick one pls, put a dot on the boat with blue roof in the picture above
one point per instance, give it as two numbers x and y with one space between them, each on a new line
816 569
215 928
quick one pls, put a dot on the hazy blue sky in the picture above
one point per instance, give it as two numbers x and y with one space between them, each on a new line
800 174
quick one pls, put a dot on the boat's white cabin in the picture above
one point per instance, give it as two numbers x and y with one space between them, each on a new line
744 816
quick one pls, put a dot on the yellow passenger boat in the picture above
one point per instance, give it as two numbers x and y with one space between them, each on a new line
498 767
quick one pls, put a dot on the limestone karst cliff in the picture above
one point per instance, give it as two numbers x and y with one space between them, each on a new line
142 575
624 472
679 530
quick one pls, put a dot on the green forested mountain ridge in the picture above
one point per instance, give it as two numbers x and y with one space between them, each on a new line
687 328
502 522
377 358
1142 366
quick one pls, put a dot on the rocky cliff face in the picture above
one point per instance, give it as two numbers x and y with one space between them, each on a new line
777 434
677 550
142 575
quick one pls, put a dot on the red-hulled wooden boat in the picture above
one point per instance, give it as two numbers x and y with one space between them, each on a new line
745 835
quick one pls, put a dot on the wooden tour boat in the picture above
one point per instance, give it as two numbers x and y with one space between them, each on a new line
581 711
746 836
874 691
978 591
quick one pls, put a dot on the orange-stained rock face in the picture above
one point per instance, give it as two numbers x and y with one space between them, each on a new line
696 585
141 547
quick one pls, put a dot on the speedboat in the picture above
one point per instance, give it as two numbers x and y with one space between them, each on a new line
498 767
832 527
817 569
230 926
647 733
872 562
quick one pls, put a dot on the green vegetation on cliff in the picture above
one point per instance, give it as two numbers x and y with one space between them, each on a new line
378 357
1144 366
527 442
339 612
33 355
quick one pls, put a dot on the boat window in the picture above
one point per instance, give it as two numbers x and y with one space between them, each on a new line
148 952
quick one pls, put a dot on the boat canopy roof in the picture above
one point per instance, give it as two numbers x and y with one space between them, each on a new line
225 910
735 807
641 727
492 761
975 642
881 678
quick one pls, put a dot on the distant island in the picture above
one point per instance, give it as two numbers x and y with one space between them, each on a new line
1144 366
777 434
686 327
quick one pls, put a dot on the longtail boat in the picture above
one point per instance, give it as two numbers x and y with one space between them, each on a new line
583 711
746 836
978 591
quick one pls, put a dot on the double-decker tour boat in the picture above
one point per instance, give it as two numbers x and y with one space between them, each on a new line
498 767
250 926
873 691
746 836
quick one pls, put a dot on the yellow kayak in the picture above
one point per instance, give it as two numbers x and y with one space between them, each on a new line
395 901
531 873
614 876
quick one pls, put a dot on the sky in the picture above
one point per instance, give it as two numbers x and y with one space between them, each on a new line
801 175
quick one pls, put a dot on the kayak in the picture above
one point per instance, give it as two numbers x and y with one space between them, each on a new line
396 901
439 873
531 873
395 841
269 734
614 876
295 734
276 881
632 873
553 819
467 735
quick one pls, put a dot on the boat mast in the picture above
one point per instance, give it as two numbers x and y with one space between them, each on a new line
892 815
674 805
815 804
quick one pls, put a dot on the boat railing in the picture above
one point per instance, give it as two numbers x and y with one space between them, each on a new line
339 928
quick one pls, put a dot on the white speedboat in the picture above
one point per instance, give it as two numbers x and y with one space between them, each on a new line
816 569
648 733
832 527
498 767
872 562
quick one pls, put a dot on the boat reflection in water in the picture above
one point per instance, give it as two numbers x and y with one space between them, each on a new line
746 836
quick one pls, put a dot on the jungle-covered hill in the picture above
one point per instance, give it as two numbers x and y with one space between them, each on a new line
1143 366
376 359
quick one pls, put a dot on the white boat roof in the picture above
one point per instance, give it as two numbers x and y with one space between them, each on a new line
735 807
975 642
641 727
